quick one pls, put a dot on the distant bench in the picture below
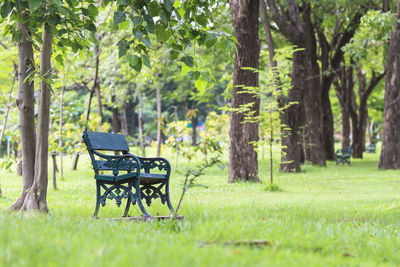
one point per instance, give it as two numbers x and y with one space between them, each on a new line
343 155
149 177
371 148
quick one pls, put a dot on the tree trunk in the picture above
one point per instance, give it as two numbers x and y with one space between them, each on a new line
26 108
390 153
290 158
124 125
312 94
194 123
37 196
9 103
97 88
116 124
53 157
243 160
87 111
158 100
140 122
328 130
60 132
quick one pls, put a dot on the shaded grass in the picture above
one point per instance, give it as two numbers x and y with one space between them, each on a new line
338 215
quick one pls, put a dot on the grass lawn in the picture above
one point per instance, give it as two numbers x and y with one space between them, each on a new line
338 215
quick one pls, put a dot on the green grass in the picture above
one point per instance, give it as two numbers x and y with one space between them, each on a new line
338 215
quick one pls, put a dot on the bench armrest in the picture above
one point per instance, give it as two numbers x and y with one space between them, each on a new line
127 162
152 163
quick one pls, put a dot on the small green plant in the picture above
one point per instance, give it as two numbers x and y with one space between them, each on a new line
273 188
192 175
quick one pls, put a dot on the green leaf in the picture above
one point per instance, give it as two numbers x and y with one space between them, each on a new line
211 39
202 20
93 10
154 9
60 60
201 85
193 75
5 9
168 5
162 33
119 16
173 55
185 69
136 20
188 60
149 22
122 47
34 5
146 41
90 26
135 62
206 76
146 61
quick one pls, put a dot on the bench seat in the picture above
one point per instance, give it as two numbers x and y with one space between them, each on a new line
144 177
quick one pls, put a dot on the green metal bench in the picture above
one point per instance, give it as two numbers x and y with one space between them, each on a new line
343 155
126 176
371 148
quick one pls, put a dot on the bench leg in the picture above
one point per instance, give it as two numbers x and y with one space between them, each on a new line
96 210
139 198
128 201
167 198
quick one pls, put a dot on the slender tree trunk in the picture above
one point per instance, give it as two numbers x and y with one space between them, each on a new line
15 78
26 107
87 111
194 122
53 157
140 121
97 88
60 132
328 131
158 100
390 153
124 124
116 125
243 160
36 197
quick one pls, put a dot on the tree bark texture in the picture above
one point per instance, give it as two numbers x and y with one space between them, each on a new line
298 28
37 195
290 160
390 153
243 159
26 108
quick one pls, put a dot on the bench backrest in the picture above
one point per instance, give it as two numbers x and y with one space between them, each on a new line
105 141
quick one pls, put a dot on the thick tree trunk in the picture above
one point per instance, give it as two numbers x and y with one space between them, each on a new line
390 153
243 160
37 196
158 100
26 107
345 127
313 93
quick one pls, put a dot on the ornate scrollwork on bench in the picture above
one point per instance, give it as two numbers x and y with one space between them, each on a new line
117 192
149 192
150 164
